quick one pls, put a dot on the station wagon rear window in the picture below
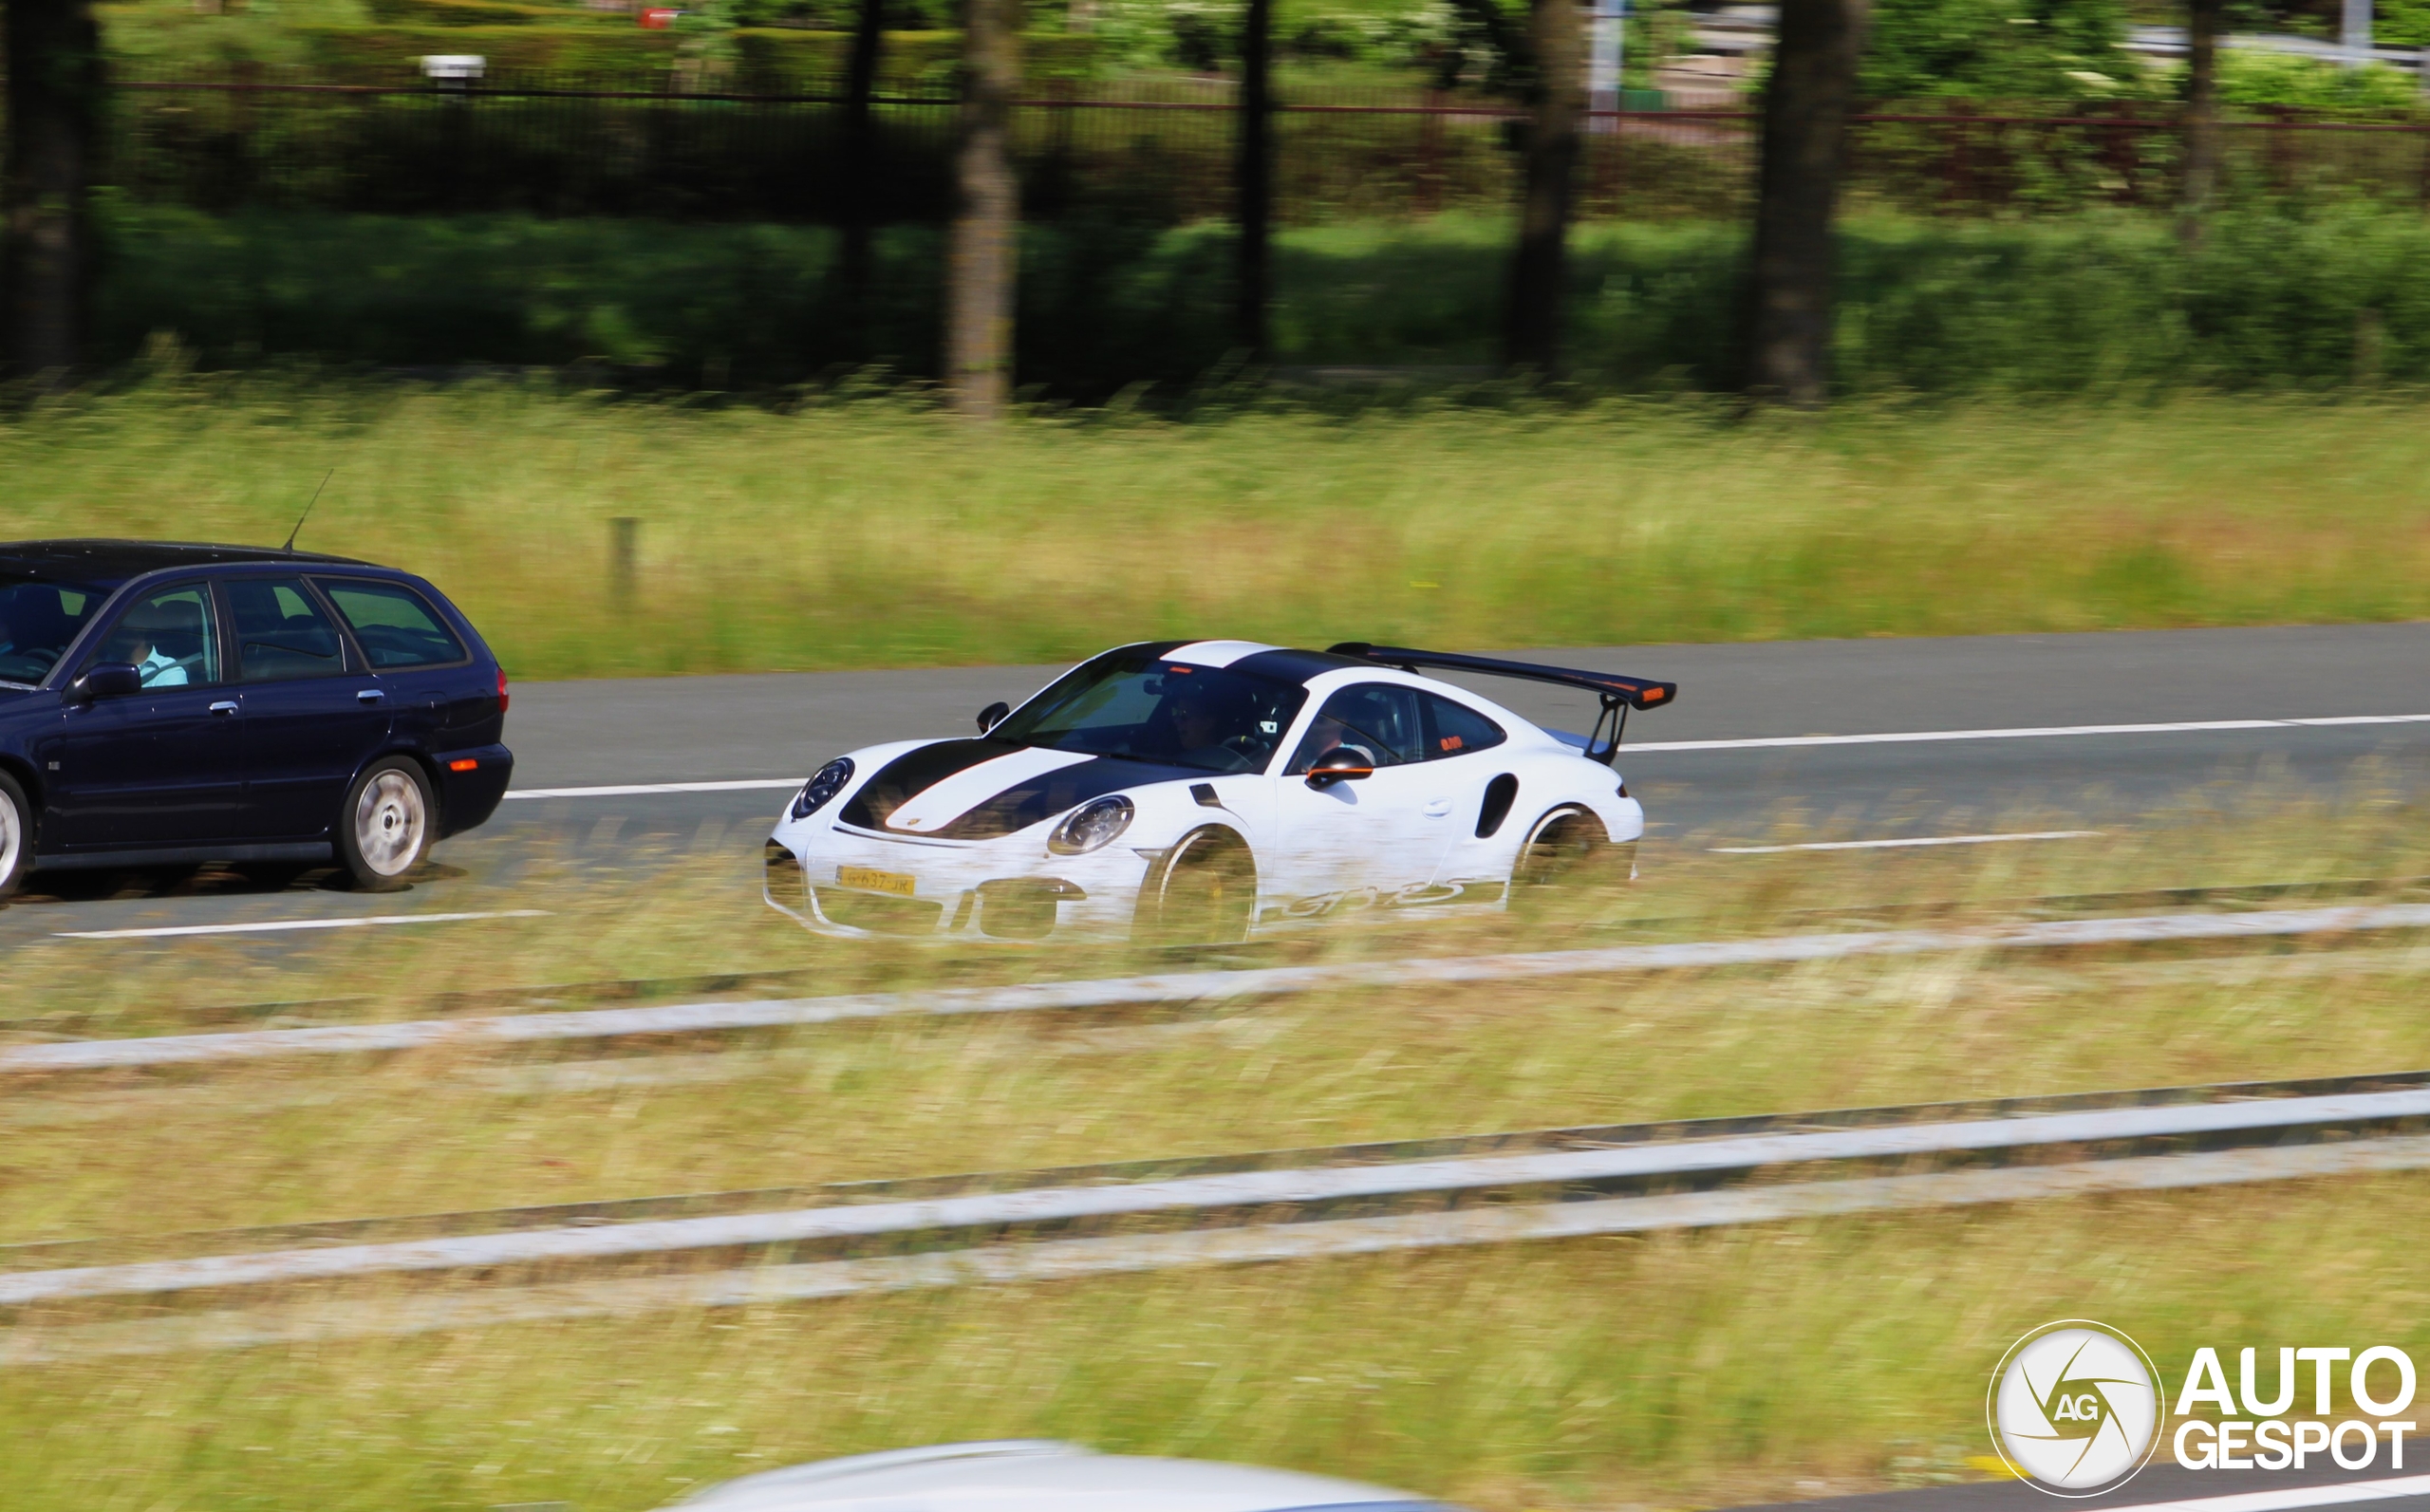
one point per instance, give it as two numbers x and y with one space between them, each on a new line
392 624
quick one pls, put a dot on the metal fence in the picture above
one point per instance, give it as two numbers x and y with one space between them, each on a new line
1153 149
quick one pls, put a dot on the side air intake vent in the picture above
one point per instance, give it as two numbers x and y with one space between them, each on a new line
1499 795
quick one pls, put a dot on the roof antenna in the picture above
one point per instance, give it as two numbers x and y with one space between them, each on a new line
290 546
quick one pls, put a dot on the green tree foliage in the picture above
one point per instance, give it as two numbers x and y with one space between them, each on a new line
2405 23
2251 78
2000 49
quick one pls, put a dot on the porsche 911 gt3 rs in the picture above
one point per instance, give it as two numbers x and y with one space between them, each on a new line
1211 790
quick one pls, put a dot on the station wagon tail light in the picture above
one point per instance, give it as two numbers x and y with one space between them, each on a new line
466 764
501 690
1091 824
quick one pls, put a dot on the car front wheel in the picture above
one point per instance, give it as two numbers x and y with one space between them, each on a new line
1205 893
16 836
385 829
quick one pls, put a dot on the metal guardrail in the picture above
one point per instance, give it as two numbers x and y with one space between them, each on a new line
560 996
1190 987
1345 1201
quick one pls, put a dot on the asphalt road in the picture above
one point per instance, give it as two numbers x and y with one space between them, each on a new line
1717 791
2165 1485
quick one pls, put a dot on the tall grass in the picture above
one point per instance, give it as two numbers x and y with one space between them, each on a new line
1659 1371
875 533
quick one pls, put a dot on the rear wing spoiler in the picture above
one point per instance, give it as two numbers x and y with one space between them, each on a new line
1619 693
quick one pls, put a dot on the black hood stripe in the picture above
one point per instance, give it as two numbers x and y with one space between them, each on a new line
1036 799
913 772
1015 807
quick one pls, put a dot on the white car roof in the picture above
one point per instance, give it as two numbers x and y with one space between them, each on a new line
1034 1475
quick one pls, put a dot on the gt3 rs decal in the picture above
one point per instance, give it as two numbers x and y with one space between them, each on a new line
1416 895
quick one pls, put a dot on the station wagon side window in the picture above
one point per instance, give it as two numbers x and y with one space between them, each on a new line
281 633
395 627
1379 721
170 637
1456 730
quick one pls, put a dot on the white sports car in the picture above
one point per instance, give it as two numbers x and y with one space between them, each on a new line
1209 791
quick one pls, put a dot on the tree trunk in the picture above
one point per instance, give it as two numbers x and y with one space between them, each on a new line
1804 150
1254 182
981 261
861 168
54 101
1556 105
2205 20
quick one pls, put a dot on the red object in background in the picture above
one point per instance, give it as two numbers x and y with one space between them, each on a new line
657 18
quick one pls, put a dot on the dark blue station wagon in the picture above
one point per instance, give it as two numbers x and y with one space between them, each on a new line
163 705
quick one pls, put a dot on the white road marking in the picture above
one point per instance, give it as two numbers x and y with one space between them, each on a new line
2295 1496
1193 987
638 789
2032 733
1893 845
1764 742
275 926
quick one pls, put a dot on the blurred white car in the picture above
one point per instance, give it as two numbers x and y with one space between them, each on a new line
1207 791
1038 1475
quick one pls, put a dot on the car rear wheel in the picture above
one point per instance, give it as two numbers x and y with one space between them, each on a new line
16 836
1568 850
384 831
1204 893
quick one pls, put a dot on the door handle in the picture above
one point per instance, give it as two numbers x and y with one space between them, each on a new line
370 696
224 706
1437 809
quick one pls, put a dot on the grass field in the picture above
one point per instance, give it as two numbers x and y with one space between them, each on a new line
875 533
1669 1370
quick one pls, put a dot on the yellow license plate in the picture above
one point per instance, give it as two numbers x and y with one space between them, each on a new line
870 880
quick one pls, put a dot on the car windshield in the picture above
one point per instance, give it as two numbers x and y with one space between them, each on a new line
37 620
1142 708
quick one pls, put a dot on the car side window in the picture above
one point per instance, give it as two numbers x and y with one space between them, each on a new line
1455 730
169 635
1379 721
393 625
281 634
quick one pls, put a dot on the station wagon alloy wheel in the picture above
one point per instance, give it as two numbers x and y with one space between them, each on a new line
387 826
16 836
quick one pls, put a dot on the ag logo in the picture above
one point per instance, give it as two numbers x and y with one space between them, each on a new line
2074 1409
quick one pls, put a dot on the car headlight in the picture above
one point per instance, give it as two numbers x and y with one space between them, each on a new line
824 784
1093 824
